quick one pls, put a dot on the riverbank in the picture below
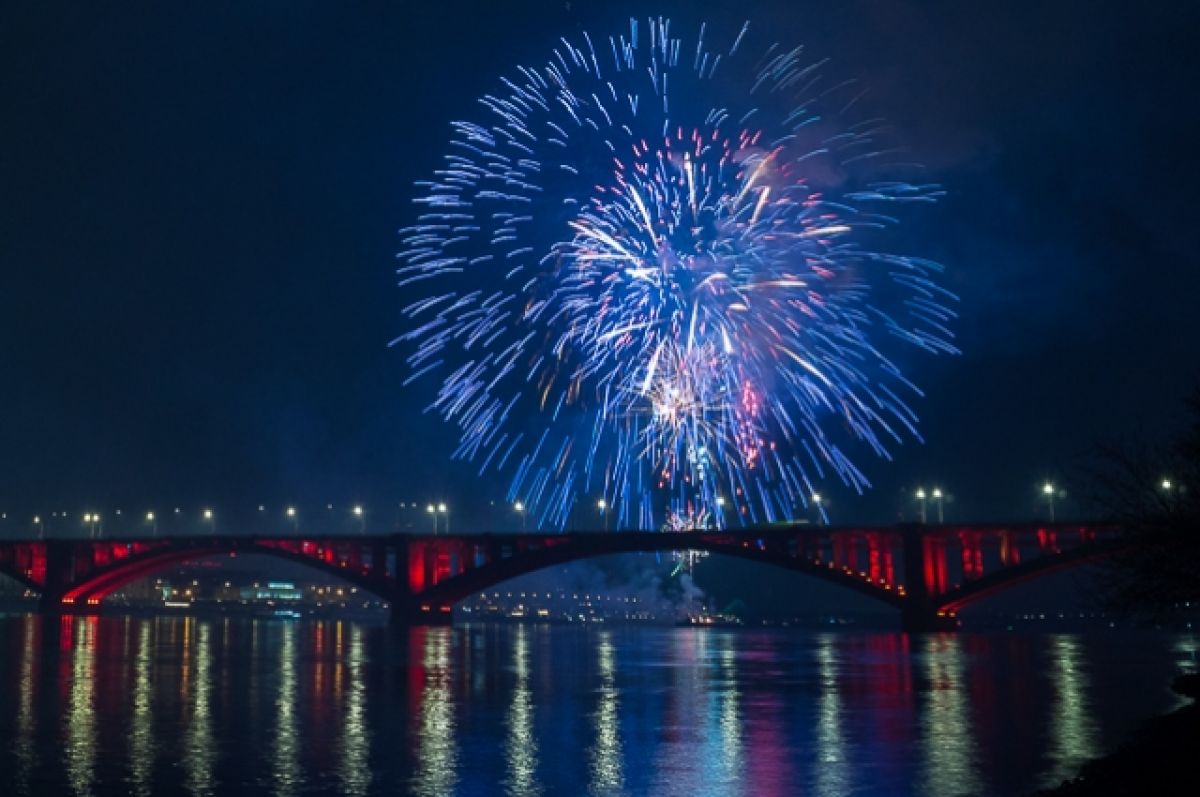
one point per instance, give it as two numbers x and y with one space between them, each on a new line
1160 759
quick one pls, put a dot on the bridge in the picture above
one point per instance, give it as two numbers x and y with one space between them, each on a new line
927 572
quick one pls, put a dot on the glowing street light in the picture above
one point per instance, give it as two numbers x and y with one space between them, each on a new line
41 527
817 499
921 497
938 496
444 510
519 507
601 505
432 510
153 524
291 513
1048 491
1166 485
212 524
362 518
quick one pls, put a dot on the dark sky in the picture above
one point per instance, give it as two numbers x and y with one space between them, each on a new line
198 215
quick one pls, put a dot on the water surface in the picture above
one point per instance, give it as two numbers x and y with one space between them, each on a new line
185 706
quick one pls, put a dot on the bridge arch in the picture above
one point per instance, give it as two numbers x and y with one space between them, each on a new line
440 598
1006 578
101 582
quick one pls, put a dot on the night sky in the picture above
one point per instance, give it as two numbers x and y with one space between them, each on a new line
199 206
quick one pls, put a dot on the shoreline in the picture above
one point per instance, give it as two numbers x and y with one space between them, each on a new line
1159 758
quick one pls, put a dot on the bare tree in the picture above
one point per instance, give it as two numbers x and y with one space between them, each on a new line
1153 493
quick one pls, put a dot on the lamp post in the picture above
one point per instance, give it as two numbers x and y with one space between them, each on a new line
601 505
153 524
520 510
1048 491
816 499
921 497
40 526
938 496
432 510
291 513
212 524
444 510
362 519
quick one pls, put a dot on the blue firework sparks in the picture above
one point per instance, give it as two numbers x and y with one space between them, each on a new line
643 278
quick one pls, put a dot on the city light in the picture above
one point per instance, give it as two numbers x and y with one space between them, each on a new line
358 510
921 498
1048 491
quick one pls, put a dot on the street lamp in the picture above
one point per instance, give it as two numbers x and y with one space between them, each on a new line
41 527
520 509
291 513
362 519
153 524
432 510
938 496
816 499
921 498
208 515
1166 485
1048 491
601 506
444 510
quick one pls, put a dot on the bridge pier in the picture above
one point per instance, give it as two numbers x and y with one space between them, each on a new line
919 613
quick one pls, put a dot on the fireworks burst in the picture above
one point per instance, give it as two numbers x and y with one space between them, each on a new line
643 276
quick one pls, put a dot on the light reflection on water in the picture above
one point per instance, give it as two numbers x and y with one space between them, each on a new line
141 736
355 743
831 768
437 750
99 706
80 718
1072 727
947 735
288 776
606 767
520 741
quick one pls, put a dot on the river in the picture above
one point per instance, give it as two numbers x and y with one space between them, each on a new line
192 706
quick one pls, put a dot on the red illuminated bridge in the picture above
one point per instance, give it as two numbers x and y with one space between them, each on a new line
927 572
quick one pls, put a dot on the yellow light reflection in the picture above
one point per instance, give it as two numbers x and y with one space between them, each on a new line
832 770
520 742
23 747
729 708
607 772
141 737
1072 730
437 751
355 744
199 751
946 730
81 711
287 772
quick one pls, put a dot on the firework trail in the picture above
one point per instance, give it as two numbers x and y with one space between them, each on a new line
643 277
